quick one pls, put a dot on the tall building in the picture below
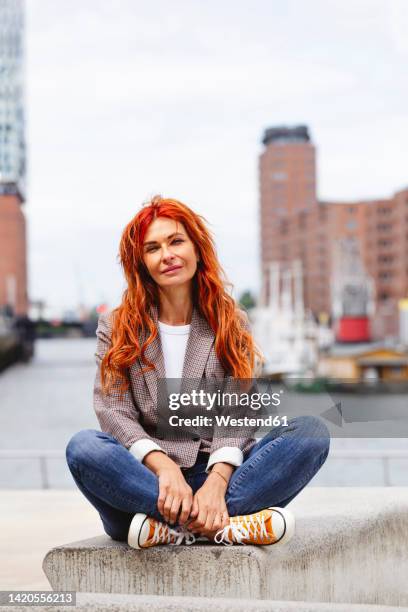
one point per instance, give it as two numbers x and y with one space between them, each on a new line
288 188
13 268
296 225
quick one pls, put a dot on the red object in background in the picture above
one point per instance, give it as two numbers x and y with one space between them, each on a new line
353 329
101 308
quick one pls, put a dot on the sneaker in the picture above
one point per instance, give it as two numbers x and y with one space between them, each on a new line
268 526
145 531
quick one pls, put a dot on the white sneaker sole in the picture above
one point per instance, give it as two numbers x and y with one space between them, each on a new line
138 530
289 525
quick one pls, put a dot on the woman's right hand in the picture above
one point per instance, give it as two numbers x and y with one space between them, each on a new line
175 495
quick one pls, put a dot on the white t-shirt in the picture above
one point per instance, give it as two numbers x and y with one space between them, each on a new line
174 342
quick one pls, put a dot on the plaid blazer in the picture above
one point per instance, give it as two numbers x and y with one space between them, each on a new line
134 416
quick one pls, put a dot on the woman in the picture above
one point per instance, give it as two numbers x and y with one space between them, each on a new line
177 321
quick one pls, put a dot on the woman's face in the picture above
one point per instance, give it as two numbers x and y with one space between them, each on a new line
167 245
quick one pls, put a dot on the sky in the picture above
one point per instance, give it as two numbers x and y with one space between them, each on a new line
128 98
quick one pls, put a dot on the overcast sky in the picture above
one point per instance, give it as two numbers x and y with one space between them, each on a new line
126 99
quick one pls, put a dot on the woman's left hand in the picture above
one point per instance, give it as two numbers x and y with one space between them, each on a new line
209 512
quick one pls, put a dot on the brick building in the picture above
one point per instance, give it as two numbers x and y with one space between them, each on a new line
296 225
13 269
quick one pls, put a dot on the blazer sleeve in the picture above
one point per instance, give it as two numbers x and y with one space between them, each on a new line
117 415
229 448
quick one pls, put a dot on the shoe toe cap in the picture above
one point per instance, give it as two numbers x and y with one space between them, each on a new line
283 524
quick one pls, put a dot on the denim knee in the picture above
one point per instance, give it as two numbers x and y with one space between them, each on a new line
78 445
314 430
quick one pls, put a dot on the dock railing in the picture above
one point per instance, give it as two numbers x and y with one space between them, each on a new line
44 457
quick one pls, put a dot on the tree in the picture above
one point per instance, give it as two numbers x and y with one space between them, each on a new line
247 300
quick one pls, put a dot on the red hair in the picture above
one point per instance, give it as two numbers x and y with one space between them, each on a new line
234 345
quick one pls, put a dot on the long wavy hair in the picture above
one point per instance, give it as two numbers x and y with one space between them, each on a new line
133 328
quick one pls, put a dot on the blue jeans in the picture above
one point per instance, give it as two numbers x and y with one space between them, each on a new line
274 471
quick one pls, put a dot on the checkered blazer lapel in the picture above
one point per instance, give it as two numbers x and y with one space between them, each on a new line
200 341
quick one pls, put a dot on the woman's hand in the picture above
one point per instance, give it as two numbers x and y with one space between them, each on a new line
174 493
209 512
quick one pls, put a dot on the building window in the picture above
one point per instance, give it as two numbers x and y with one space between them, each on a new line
279 176
385 259
283 226
302 219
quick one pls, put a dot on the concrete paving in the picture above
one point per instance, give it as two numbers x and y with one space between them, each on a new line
32 522
350 546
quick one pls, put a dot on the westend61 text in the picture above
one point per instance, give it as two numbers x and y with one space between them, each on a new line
255 401
228 421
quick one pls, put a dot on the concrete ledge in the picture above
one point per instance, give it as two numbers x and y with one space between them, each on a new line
103 602
350 546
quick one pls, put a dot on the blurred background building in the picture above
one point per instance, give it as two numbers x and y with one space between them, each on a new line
370 236
13 267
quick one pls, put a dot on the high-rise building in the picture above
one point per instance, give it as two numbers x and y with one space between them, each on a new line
295 225
288 189
13 269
